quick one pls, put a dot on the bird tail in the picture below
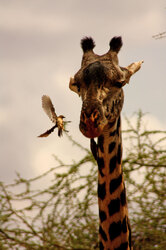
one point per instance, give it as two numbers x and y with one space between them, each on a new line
48 132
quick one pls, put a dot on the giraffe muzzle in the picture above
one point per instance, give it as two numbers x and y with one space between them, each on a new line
90 124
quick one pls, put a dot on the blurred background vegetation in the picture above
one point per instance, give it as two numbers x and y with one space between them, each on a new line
58 209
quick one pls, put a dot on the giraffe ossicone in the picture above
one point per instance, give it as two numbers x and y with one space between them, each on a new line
99 82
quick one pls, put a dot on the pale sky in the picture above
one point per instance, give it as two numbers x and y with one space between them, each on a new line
40 51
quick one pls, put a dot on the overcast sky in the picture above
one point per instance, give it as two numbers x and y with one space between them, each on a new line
40 51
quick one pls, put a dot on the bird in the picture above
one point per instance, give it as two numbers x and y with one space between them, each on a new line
57 120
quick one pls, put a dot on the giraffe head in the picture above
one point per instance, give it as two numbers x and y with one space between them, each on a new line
100 82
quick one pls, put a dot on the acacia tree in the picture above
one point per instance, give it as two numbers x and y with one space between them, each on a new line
35 214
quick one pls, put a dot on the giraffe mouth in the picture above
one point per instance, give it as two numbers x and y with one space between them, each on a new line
89 130
91 127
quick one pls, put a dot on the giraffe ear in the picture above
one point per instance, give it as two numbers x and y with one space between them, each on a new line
130 70
134 67
74 86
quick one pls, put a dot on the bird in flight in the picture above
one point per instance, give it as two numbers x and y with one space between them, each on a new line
57 120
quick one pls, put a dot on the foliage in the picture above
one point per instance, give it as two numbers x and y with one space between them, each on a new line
144 170
58 209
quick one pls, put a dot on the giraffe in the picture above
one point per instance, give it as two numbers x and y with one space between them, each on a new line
99 82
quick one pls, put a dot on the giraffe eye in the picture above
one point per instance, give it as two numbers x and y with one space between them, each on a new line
77 85
118 84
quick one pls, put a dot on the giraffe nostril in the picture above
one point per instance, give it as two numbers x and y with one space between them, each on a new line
95 115
83 116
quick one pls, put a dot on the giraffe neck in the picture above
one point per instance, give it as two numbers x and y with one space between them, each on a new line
114 228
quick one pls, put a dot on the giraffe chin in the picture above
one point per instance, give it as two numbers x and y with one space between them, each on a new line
91 133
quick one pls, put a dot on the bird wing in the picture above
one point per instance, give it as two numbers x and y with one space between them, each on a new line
49 108
48 132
